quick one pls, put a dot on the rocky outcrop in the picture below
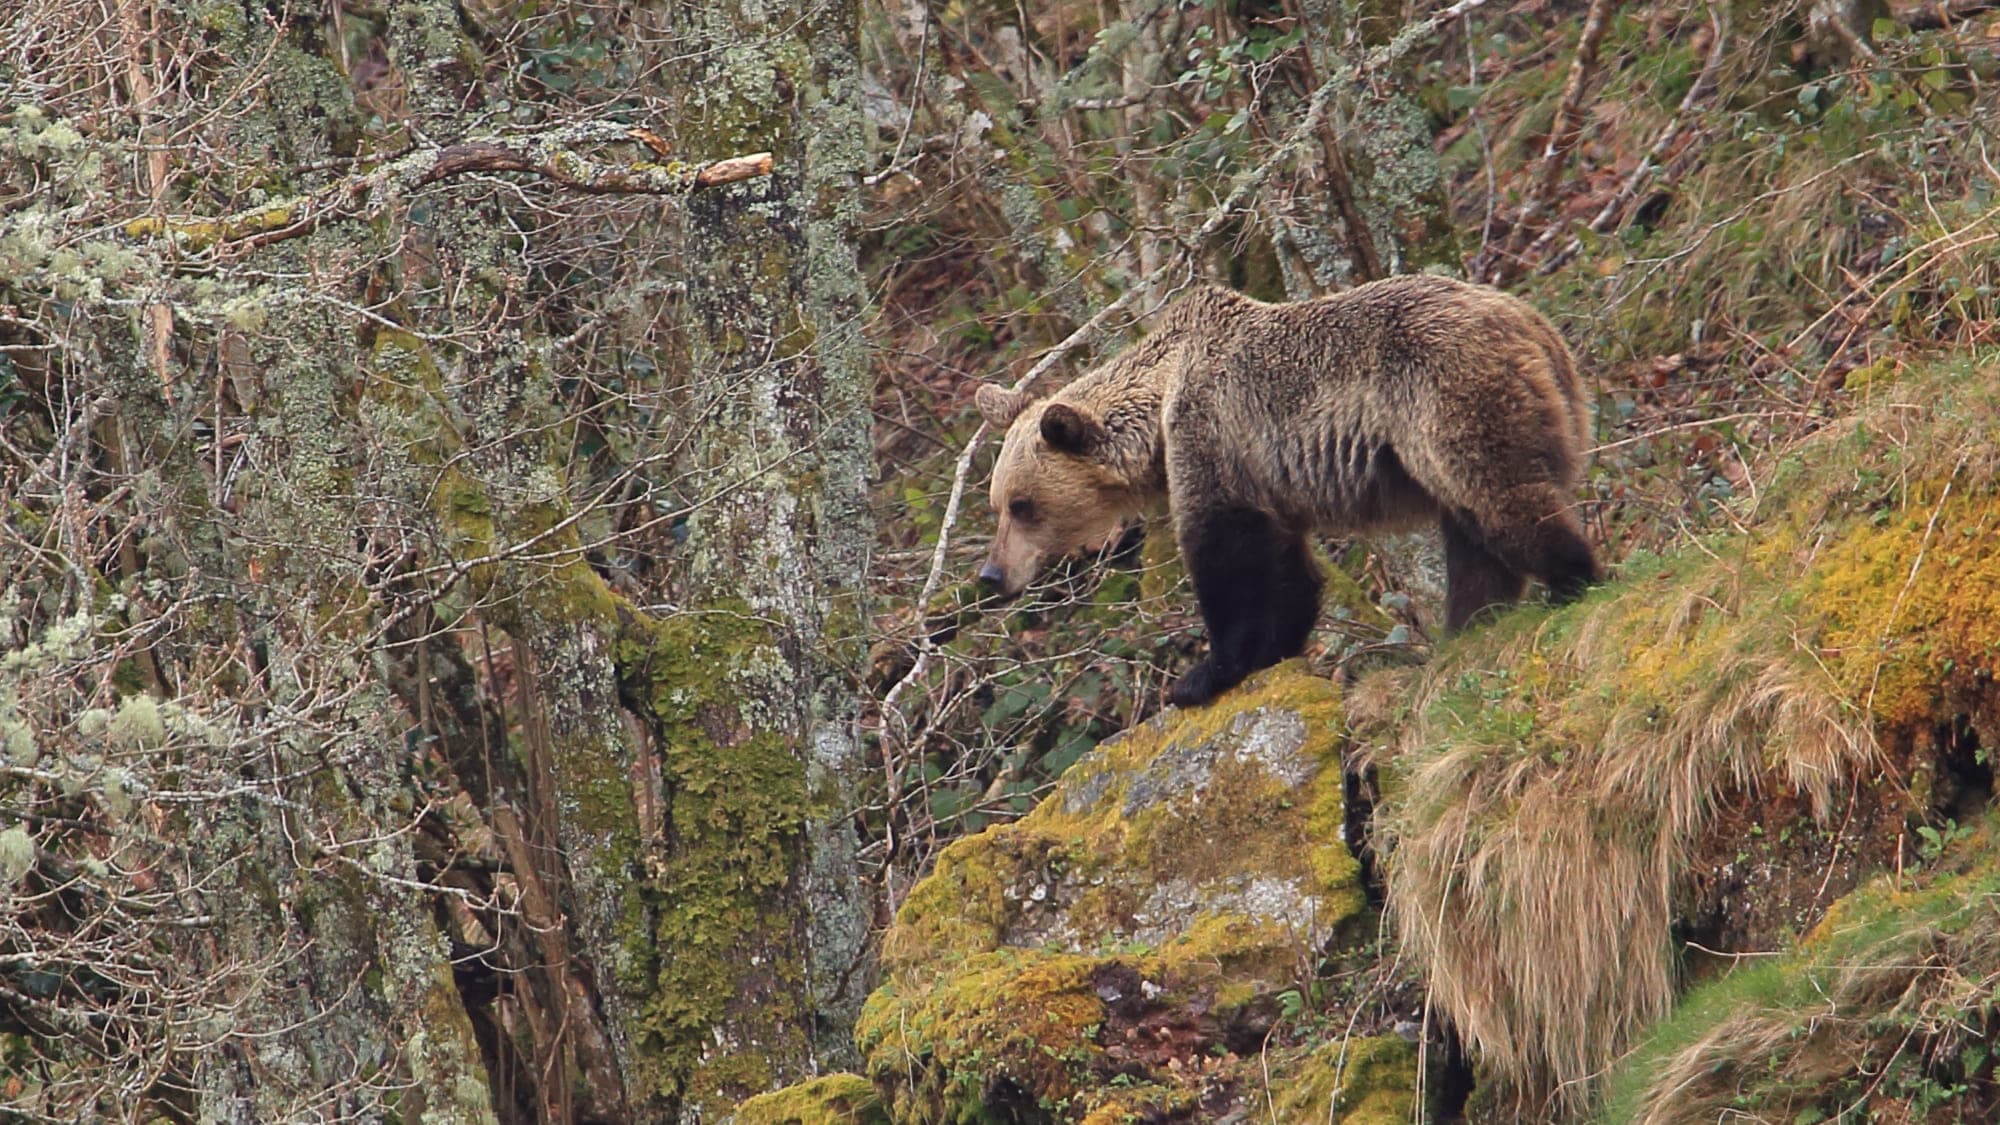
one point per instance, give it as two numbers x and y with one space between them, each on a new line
1135 948
1126 946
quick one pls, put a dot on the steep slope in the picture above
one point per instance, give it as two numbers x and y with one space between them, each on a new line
1578 812
1578 806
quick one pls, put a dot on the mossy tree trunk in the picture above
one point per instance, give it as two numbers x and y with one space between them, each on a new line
371 745
762 928
1394 166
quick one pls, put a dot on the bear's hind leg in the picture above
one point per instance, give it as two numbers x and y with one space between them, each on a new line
1474 577
1259 594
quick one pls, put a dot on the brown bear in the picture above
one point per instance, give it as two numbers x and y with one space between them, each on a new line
1404 400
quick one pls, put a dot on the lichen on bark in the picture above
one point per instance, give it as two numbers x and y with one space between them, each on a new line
777 561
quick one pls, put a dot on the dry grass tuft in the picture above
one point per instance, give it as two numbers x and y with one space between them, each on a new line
1534 881
1546 777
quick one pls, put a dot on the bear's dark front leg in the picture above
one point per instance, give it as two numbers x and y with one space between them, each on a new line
1259 593
1474 577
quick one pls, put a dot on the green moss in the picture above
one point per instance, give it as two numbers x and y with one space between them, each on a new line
200 234
1046 1022
1022 1016
836 1099
465 515
1185 867
131 676
1797 1035
405 397
738 809
739 108
964 904
1905 605
1135 814
1137 1102
1351 1082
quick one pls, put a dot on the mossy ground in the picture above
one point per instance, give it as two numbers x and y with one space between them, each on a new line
1364 1081
1887 1011
1551 780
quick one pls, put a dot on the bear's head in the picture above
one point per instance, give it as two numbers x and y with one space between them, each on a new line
1056 488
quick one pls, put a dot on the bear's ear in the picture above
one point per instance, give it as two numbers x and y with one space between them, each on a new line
1000 405
1070 430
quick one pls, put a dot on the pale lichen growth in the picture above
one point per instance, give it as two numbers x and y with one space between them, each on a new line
137 724
17 855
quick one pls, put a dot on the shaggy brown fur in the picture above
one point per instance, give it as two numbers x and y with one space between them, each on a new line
1404 400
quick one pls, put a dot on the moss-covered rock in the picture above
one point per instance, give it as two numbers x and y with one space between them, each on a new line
1114 954
835 1099
1355 1082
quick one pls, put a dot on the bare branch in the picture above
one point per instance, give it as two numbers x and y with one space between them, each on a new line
1608 218
1367 260
551 155
1564 132
1938 15
1568 125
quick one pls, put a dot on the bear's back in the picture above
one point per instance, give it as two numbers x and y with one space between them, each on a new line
1323 407
1400 345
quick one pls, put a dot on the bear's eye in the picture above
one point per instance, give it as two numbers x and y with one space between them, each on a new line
1021 509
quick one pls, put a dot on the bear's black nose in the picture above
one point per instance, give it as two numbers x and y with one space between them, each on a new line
992 576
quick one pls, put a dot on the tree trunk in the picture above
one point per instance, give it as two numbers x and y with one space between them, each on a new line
370 745
734 943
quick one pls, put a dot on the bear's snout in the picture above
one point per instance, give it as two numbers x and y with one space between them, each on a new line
992 577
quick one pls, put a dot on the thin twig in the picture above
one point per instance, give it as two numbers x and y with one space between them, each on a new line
1612 213
1938 16
1564 133
1694 425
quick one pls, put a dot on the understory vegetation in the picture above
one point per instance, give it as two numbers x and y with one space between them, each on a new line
1780 228
490 492
1779 257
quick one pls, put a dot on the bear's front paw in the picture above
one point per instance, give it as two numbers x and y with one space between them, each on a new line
1201 684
